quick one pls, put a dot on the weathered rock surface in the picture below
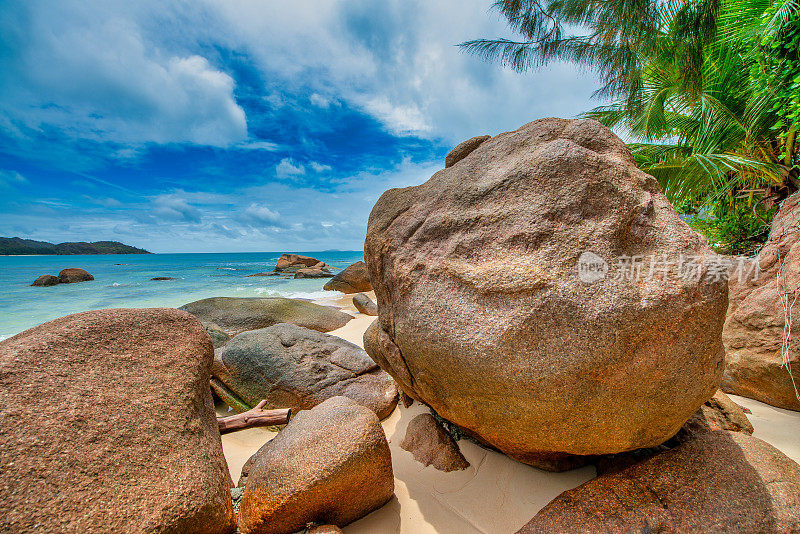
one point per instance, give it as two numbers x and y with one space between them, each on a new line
310 272
74 274
755 324
293 262
297 368
365 305
235 315
483 315
433 445
324 529
353 279
719 482
108 426
463 149
217 334
717 413
45 280
330 464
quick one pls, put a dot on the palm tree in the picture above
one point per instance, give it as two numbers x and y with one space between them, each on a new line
709 102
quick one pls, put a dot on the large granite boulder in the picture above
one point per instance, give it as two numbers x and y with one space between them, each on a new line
759 291
108 426
720 482
236 314
294 262
46 280
353 279
293 367
74 274
330 464
515 299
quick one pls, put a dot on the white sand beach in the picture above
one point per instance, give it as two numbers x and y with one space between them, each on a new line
495 494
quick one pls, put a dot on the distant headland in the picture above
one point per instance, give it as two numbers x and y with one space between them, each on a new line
18 246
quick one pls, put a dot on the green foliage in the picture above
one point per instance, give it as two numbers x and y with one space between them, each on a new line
710 89
735 227
22 247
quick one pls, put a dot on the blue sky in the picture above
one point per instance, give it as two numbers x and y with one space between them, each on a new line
243 125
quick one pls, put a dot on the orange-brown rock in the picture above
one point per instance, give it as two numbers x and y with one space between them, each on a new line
717 413
293 262
432 445
720 482
485 316
108 426
74 274
754 328
46 280
330 464
353 279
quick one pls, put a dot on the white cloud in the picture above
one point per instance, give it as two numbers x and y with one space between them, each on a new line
319 167
11 179
287 168
259 214
87 69
259 145
173 207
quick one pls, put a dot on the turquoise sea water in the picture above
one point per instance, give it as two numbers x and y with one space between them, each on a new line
129 286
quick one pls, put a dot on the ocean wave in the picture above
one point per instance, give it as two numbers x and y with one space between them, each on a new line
305 295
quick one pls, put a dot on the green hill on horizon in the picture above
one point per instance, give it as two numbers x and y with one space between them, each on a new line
18 246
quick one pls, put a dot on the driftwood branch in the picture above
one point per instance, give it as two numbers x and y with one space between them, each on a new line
258 416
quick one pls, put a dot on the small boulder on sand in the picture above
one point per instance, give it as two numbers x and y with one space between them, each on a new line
74 274
432 445
294 367
353 279
108 426
235 314
719 482
365 305
329 465
45 280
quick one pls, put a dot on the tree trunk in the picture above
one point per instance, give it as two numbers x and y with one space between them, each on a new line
255 417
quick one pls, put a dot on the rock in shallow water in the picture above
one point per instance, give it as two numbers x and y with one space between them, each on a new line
236 315
483 314
719 482
109 426
46 280
353 279
330 464
74 274
754 328
294 367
